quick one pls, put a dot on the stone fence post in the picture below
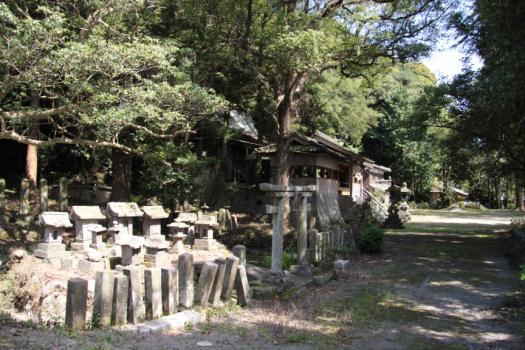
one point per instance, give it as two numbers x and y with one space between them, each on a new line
24 197
62 195
43 195
2 202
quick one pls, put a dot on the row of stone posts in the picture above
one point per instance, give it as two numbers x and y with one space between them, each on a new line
136 294
24 207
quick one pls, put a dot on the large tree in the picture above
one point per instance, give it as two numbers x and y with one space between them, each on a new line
487 106
100 79
270 50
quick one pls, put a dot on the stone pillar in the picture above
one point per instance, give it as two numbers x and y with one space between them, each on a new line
119 313
205 284
152 284
170 290
43 195
2 202
216 291
302 230
76 303
24 197
136 308
232 263
186 272
103 299
278 234
240 252
62 195
242 287
312 246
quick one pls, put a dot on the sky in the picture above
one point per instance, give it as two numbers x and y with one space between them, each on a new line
447 60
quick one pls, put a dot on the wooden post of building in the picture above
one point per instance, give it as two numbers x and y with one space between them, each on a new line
62 196
43 195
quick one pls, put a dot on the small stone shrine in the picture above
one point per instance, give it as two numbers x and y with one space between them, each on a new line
86 226
177 230
404 208
131 249
54 225
153 214
204 229
123 213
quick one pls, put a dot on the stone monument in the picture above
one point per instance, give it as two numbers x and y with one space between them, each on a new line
86 225
54 225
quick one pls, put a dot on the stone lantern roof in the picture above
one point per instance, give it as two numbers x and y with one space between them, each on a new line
86 212
55 219
154 212
124 209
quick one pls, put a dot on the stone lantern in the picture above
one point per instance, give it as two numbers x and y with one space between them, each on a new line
404 208
177 230
189 219
54 225
87 226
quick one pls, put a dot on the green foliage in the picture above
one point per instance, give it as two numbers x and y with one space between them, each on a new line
340 107
289 259
522 272
371 240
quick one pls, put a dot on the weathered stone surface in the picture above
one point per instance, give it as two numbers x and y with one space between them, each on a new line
76 304
89 267
232 263
43 195
240 252
152 284
263 291
55 219
87 212
154 212
186 284
124 209
176 321
215 296
93 255
24 197
242 287
119 313
62 195
323 278
170 290
301 270
258 273
103 298
131 255
342 265
136 309
50 250
205 284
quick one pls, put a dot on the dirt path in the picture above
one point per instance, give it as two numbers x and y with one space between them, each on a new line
442 283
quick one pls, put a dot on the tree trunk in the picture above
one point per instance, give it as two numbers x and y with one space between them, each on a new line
519 195
285 112
32 150
120 176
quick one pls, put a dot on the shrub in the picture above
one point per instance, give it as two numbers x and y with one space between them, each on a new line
423 205
371 240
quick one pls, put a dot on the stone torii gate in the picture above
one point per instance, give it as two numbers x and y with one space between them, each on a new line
281 194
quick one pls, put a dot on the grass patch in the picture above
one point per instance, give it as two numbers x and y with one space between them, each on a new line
367 308
299 336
